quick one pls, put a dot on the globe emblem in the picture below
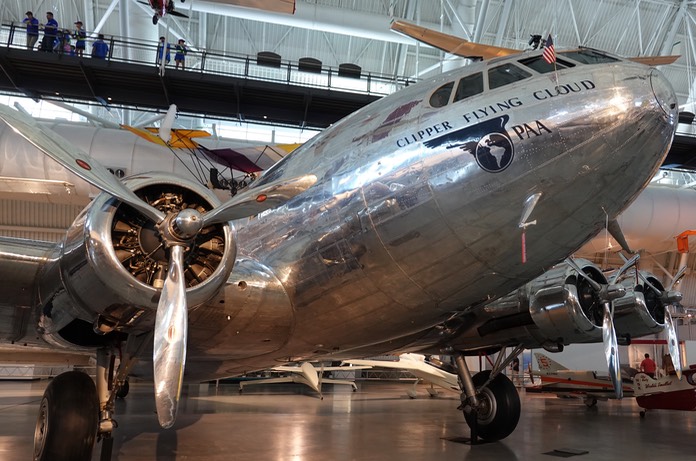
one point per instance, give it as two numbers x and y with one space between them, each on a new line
494 152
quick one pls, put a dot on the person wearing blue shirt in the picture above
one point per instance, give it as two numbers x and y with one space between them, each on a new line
80 35
50 33
32 29
161 51
99 48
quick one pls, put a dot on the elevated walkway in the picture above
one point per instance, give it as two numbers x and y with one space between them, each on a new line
214 84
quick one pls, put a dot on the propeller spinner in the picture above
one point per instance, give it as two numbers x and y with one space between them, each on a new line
176 230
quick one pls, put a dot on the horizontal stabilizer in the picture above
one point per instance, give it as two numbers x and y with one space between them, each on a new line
450 43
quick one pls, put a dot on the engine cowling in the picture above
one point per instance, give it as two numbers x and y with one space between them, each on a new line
559 308
109 271
641 311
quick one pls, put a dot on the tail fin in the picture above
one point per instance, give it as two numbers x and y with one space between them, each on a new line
546 364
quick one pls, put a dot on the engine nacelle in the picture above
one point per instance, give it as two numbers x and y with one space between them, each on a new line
559 308
112 265
640 312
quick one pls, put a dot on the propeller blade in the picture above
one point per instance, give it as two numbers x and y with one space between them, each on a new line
611 350
257 199
595 285
644 278
171 332
624 268
71 158
673 343
680 273
165 129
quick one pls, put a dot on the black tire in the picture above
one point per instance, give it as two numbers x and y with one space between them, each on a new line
68 419
499 410
123 391
155 20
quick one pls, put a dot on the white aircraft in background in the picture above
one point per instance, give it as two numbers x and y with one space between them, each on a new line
580 384
305 373
421 368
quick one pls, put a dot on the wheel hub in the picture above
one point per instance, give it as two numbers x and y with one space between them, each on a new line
41 429
487 407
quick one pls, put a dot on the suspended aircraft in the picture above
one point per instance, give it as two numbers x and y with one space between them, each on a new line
395 229
162 8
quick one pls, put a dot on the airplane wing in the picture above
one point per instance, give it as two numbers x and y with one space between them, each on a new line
418 368
277 6
450 43
466 49
180 138
264 156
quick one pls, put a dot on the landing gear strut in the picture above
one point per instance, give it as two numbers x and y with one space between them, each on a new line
490 401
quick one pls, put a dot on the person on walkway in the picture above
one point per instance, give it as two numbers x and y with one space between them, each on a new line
161 53
32 29
50 33
180 56
99 48
80 36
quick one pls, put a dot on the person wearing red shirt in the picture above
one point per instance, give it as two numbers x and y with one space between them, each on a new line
648 366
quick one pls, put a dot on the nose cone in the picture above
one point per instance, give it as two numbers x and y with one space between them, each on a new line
664 93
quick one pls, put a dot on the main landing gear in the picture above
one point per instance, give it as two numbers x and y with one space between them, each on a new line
155 19
490 401
75 412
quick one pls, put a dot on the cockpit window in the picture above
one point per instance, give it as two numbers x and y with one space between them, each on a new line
587 56
540 65
441 96
469 86
505 74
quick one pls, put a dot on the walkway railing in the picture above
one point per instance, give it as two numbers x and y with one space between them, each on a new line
122 49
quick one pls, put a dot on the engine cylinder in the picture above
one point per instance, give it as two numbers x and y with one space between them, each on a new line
113 264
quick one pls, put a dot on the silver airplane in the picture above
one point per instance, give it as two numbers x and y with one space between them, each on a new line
393 230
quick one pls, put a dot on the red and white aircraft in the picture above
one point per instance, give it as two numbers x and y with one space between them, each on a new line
666 392
582 384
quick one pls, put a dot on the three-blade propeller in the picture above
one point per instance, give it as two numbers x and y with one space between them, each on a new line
177 231
607 293
668 298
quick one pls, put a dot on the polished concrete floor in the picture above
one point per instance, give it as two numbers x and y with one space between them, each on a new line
379 422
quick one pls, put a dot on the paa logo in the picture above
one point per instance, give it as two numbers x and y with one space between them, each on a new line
487 141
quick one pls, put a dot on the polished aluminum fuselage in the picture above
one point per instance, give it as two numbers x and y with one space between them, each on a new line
409 223
404 228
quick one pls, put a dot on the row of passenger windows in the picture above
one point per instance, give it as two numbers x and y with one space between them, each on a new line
505 74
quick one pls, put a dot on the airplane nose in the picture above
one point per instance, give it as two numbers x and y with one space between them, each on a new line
664 93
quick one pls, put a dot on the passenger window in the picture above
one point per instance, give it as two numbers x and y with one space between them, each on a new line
469 86
441 96
540 65
586 56
505 74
